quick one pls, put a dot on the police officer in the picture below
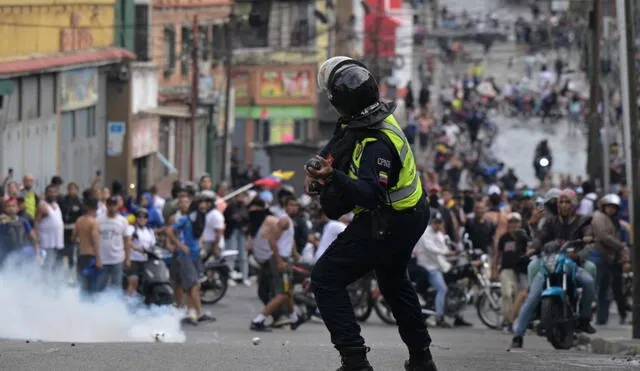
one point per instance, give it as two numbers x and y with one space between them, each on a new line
368 168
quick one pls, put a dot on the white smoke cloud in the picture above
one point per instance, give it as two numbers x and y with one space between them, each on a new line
40 305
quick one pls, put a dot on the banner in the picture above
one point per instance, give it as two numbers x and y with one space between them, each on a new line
78 89
285 84
115 138
240 81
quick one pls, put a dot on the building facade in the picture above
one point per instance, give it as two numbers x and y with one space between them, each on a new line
62 85
186 138
278 46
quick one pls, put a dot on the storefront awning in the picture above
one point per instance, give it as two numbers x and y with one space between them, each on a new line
183 112
48 62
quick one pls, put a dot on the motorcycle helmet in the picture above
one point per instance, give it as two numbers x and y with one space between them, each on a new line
350 86
611 199
551 194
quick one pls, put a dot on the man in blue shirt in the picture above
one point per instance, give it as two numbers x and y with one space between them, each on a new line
186 252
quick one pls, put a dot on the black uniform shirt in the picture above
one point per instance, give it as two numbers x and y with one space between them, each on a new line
378 171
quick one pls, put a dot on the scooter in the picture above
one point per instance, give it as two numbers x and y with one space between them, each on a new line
215 282
155 283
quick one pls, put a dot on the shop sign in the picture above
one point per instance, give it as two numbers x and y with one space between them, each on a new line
240 82
275 112
144 137
285 84
78 89
115 138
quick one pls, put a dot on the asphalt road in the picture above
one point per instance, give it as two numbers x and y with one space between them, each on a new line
227 345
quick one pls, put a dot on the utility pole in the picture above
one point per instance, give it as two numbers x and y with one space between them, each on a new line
227 105
195 85
594 159
376 40
625 14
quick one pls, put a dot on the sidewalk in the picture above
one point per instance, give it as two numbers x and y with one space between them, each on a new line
612 339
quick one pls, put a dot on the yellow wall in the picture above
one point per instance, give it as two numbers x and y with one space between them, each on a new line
29 29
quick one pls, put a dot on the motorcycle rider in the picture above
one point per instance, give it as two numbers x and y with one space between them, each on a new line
565 226
609 254
430 253
368 168
542 151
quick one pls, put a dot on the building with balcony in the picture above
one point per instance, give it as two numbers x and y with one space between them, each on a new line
277 48
186 139
64 90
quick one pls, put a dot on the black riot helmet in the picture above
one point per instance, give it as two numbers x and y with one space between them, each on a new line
350 86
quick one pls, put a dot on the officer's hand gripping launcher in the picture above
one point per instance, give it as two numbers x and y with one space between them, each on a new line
315 186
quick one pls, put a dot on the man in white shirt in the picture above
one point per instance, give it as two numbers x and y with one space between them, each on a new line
330 231
115 245
431 252
213 234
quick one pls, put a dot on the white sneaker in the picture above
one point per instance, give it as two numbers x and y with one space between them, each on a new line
231 283
235 275
247 283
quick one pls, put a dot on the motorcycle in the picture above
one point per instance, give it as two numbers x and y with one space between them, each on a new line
155 283
360 294
474 266
543 167
303 298
560 298
216 276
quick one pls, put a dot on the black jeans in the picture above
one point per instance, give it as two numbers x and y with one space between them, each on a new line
355 253
609 276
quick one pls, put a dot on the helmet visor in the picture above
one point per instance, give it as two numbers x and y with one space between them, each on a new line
325 71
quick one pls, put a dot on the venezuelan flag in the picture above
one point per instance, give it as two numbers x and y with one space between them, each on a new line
274 180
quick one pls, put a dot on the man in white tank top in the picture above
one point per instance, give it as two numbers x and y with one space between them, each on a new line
277 234
50 226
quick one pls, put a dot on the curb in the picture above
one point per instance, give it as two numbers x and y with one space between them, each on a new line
619 346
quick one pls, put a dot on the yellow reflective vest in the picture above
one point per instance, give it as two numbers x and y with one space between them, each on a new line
406 193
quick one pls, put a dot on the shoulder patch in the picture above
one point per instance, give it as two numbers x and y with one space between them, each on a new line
384 162
383 178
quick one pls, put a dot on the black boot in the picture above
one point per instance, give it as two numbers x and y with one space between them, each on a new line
420 361
584 325
354 359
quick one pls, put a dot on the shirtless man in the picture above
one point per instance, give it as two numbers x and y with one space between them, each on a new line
87 235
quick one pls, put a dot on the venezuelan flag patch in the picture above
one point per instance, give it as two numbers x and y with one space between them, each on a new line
383 177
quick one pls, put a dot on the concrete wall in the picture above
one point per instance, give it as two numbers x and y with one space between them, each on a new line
30 130
82 149
144 80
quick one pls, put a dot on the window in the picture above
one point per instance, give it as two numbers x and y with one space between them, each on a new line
293 24
252 29
169 50
281 130
142 32
218 42
205 42
90 113
185 48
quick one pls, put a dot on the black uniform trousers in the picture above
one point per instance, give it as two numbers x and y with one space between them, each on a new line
355 253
